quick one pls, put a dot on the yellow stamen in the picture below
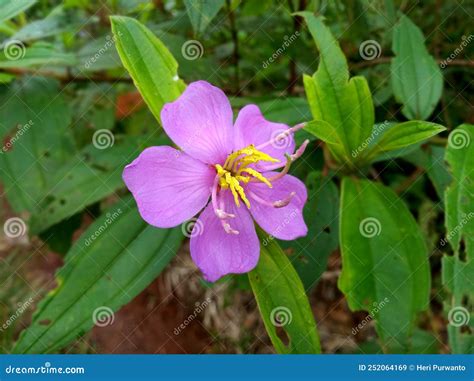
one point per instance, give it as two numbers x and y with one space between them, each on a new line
236 171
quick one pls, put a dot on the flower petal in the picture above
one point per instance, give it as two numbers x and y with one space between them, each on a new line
252 128
200 122
287 222
218 253
168 185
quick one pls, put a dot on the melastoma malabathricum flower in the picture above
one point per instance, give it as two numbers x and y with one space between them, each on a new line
227 173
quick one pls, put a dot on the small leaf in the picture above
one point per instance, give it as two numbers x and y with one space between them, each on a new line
282 300
416 78
112 261
152 67
385 268
202 12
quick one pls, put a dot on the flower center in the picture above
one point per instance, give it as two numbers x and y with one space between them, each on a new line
236 171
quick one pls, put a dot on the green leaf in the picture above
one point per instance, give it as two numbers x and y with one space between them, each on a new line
282 300
458 270
58 21
202 12
17 55
416 78
323 131
34 129
86 178
432 160
309 254
403 135
152 67
385 268
345 104
11 8
112 261
460 194
457 276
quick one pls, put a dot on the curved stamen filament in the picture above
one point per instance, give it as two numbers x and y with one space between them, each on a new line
274 204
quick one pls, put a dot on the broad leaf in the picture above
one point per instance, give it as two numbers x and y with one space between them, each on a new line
34 128
460 194
344 103
416 78
202 12
11 8
112 261
458 270
282 300
385 268
149 63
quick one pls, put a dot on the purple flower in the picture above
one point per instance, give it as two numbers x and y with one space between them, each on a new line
233 165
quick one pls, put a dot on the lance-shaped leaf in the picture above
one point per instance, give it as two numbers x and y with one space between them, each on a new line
282 300
458 270
385 267
152 67
416 78
112 261
402 135
344 103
